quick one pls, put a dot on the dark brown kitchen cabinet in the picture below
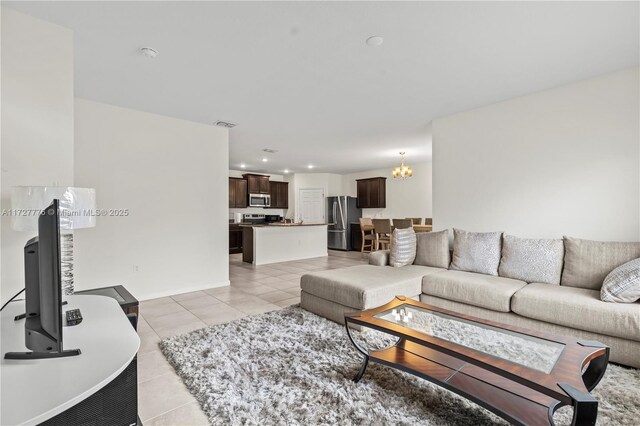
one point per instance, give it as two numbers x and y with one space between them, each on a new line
279 194
235 239
362 187
372 193
238 196
257 184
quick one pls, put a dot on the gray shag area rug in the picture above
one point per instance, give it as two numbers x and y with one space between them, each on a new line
293 367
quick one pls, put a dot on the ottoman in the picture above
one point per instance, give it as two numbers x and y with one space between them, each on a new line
334 292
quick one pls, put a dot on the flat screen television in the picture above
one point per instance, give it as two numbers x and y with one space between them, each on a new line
43 291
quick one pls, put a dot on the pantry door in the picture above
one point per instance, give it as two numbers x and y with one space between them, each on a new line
311 205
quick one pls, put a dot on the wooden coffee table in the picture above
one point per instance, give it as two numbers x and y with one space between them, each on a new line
521 375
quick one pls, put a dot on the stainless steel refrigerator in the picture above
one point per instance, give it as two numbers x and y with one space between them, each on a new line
341 212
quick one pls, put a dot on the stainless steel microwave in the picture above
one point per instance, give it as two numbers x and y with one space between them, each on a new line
259 200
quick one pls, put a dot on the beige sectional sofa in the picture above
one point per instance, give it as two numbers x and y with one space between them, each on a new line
571 307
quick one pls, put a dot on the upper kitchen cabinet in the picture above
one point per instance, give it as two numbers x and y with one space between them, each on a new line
279 194
372 193
258 184
238 196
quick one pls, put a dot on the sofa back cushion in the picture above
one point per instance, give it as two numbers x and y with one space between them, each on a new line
531 260
476 251
432 249
402 247
587 263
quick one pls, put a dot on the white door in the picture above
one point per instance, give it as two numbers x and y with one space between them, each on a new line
311 205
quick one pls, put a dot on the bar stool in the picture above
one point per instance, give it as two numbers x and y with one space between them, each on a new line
382 229
368 235
402 223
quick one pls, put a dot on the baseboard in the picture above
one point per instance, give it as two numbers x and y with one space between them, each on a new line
173 292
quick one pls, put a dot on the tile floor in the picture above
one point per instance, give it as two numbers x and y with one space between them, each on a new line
162 397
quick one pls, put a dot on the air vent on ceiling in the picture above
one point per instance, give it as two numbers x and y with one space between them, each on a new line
226 124
270 151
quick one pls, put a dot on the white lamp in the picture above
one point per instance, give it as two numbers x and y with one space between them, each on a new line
77 210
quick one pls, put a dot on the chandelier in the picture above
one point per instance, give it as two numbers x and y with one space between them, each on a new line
402 171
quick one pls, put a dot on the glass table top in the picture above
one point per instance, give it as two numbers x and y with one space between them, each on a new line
529 351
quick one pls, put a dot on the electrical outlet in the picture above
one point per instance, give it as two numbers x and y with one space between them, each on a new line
136 268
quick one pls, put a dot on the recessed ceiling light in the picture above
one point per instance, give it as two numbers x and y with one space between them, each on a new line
310 166
286 171
264 159
375 41
242 166
148 52
226 124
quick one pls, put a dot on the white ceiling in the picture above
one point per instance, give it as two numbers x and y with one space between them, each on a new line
298 77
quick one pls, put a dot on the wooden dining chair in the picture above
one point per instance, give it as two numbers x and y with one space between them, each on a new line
402 223
382 230
368 235
416 220
428 221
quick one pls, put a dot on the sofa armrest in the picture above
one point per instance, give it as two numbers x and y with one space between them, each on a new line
379 258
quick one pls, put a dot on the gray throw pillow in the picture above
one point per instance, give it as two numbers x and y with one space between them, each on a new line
402 247
622 285
432 249
531 260
379 258
476 251
587 263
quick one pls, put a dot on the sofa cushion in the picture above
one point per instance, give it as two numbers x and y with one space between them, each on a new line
480 290
587 263
432 249
531 260
365 286
578 308
379 258
476 251
622 285
402 247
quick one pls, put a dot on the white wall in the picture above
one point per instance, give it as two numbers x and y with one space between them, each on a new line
410 197
559 162
172 176
37 122
256 210
405 198
330 183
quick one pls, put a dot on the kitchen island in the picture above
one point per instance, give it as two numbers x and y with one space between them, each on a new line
273 243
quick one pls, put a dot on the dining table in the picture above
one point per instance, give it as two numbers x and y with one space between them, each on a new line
417 228
423 228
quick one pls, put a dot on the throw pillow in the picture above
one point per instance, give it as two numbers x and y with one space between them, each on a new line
622 285
403 247
587 263
476 251
432 249
531 260
379 258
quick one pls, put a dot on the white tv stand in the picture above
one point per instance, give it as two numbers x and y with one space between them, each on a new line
34 391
